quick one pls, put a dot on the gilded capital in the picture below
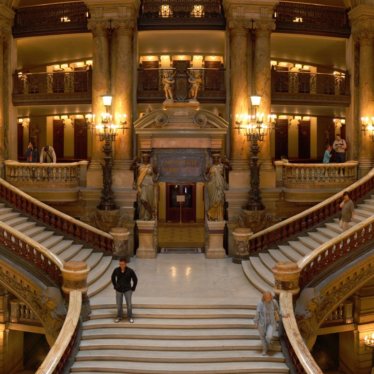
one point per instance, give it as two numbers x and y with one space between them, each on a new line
98 28
363 29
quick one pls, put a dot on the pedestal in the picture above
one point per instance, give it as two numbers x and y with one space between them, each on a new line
214 248
286 276
120 242
147 245
241 237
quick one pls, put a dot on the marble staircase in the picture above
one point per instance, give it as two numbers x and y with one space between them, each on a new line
62 246
258 267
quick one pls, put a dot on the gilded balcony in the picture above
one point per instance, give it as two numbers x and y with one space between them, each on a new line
63 87
310 88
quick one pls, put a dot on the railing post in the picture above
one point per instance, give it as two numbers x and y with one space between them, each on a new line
14 311
241 237
286 276
83 173
74 274
120 242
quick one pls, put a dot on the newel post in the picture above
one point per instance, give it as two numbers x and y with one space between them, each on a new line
74 275
286 276
120 242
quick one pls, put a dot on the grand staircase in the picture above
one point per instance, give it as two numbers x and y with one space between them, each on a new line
258 267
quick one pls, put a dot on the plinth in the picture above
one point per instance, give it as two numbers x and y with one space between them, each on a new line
214 248
147 244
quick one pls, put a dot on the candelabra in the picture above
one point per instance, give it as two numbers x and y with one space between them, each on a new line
107 131
255 130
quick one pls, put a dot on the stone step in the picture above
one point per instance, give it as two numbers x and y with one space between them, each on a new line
368 207
52 241
319 237
34 231
13 222
8 216
174 345
300 247
82 255
333 226
70 252
99 269
102 283
254 278
177 357
23 227
290 253
174 368
262 270
330 234
309 242
123 330
61 246
42 236
268 261
277 255
363 212
5 210
94 258
176 313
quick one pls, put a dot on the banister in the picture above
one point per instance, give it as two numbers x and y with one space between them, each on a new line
310 217
56 218
59 353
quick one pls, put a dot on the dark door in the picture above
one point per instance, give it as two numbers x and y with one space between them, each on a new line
181 80
80 139
58 138
281 139
21 152
180 202
304 140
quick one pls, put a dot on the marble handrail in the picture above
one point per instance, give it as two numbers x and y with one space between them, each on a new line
68 175
59 352
310 217
54 217
299 354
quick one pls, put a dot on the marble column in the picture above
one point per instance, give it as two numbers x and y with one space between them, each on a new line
262 83
122 88
100 87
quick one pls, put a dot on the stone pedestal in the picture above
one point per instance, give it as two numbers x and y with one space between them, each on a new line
74 275
286 276
120 242
214 247
147 244
241 237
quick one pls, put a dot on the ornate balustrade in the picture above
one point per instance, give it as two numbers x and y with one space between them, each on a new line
61 351
292 17
310 217
158 14
310 176
52 88
212 88
98 239
58 18
343 314
20 312
313 88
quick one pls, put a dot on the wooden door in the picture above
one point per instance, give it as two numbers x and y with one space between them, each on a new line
58 138
181 80
80 139
281 139
180 202
304 140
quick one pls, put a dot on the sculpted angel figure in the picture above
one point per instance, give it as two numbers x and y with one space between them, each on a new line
168 82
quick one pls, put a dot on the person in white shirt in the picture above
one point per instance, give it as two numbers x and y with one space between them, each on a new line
340 147
48 155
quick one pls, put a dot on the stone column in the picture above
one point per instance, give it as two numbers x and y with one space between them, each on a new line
122 88
74 276
100 87
215 233
262 83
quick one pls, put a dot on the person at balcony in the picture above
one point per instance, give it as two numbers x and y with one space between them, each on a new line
146 188
266 320
347 208
340 148
32 153
215 187
327 155
48 155
124 281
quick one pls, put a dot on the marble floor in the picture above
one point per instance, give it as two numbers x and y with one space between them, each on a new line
187 278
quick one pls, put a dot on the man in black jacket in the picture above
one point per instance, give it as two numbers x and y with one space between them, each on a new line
121 279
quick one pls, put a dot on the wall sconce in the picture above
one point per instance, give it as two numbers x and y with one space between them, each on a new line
25 122
339 122
369 340
367 124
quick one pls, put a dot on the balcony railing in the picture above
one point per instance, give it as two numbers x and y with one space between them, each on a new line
212 89
52 88
316 88
203 14
63 18
292 17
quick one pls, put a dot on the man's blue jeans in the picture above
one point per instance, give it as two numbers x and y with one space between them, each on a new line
119 301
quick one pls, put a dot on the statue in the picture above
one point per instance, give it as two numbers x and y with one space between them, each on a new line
215 186
144 178
195 80
168 82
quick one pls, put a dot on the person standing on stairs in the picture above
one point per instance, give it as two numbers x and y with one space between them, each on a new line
266 320
347 207
121 280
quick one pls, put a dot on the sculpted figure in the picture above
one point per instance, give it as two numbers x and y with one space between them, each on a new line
168 82
145 188
215 187
195 80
